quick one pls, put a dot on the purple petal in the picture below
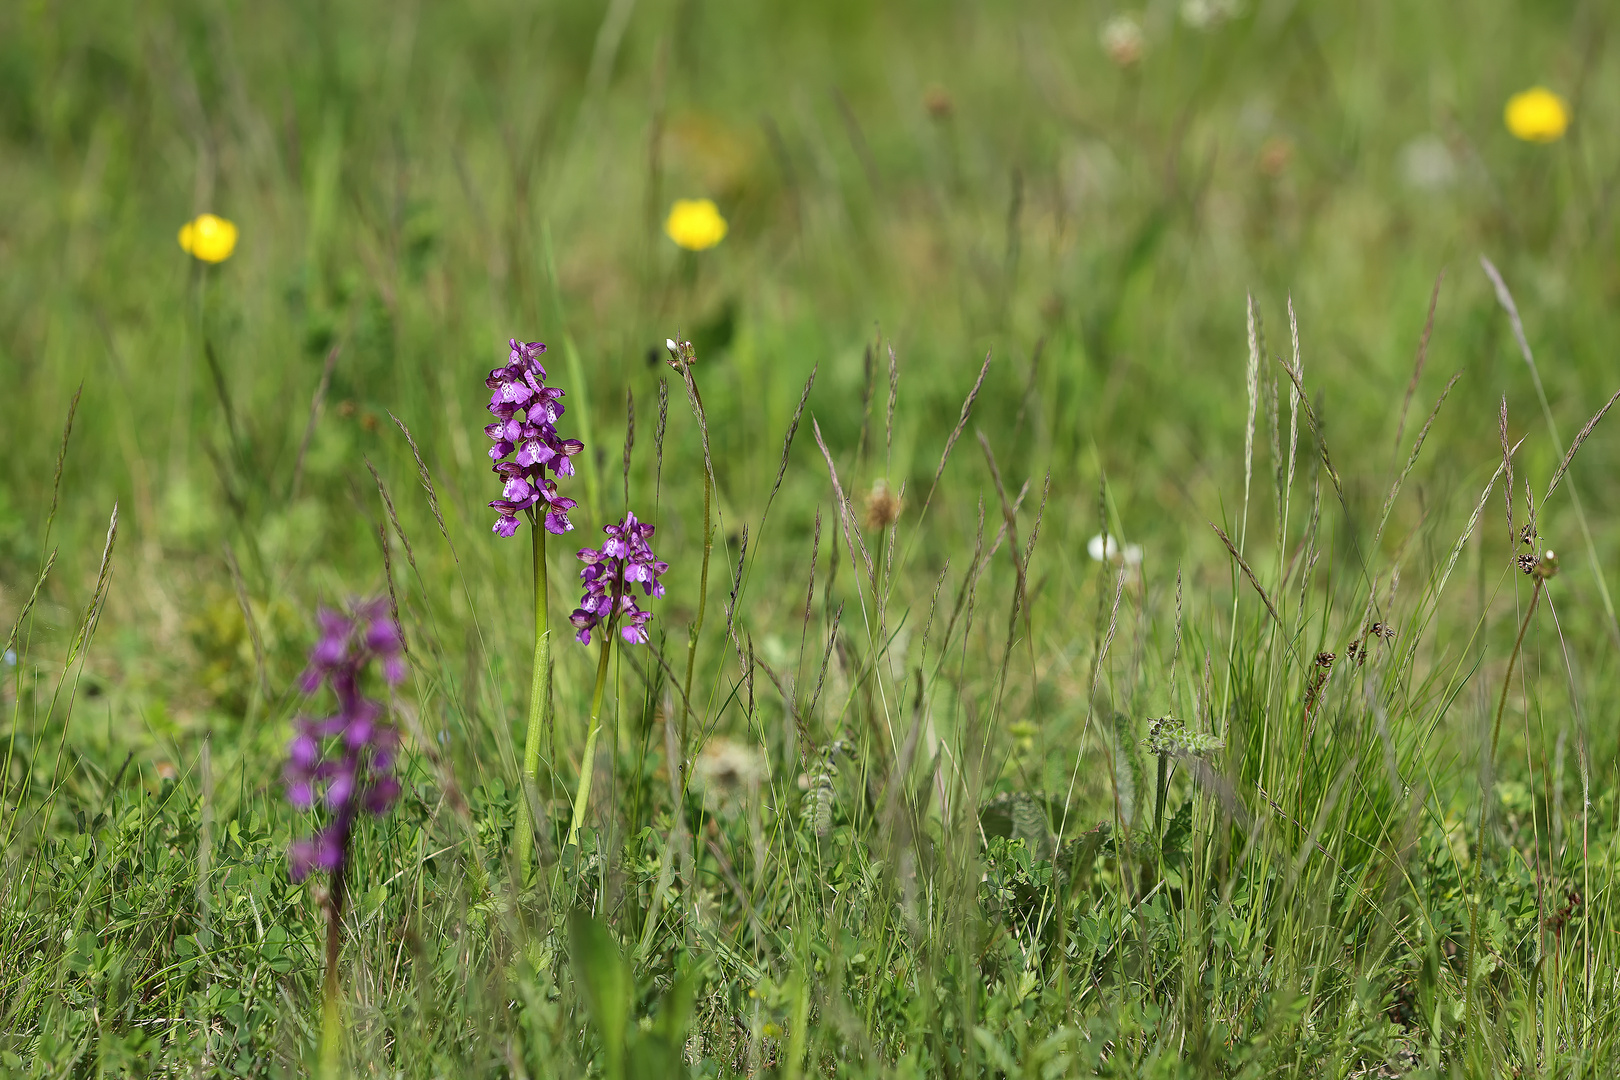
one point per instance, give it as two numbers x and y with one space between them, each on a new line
382 636
340 790
304 752
382 795
534 452
300 859
329 651
358 733
329 850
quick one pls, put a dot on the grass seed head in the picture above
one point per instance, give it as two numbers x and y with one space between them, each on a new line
883 506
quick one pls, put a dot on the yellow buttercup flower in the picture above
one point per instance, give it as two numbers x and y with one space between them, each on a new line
695 224
1537 115
209 238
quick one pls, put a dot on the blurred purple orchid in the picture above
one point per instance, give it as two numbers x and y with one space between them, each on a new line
346 759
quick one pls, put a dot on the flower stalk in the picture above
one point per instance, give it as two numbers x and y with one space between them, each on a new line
539 711
681 358
331 995
703 602
587 766
1541 568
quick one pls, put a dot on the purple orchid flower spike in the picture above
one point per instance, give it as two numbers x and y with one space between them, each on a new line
624 560
525 430
344 761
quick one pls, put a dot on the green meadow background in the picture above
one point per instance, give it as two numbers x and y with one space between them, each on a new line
416 183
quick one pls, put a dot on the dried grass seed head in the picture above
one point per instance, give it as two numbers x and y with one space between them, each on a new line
883 506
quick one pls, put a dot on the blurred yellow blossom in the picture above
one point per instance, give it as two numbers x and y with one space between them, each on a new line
1537 115
695 224
209 238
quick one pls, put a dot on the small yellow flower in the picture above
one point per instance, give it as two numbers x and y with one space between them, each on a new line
1537 115
695 224
209 238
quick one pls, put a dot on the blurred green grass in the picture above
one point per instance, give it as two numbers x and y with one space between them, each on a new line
416 183
395 173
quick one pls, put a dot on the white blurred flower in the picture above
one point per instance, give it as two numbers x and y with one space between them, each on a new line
1104 547
727 771
1426 164
1204 14
1122 39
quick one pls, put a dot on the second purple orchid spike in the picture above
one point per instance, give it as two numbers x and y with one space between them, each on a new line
611 572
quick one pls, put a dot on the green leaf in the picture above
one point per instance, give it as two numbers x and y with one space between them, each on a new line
603 976
995 1052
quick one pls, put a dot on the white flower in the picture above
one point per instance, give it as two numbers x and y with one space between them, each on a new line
1204 14
1122 39
1104 547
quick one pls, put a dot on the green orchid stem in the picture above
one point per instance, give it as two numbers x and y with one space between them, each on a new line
587 766
539 708
703 600
332 998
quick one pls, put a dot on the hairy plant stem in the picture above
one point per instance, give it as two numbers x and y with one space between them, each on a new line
587 766
697 624
539 709
1485 805
331 998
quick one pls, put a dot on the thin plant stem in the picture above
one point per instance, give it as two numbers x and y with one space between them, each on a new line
539 707
1507 681
1485 802
587 767
332 1001
703 600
